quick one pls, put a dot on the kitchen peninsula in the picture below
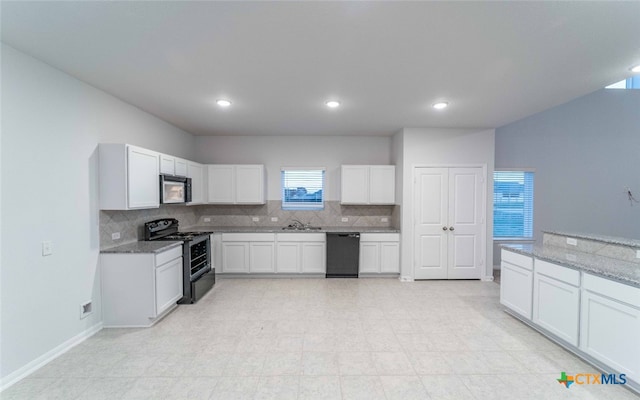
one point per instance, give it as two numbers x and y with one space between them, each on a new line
583 292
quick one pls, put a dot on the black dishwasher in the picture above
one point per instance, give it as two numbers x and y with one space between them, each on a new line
343 254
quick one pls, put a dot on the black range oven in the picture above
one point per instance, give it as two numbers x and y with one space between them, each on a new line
198 276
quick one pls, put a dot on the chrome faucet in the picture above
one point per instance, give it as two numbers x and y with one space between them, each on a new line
297 224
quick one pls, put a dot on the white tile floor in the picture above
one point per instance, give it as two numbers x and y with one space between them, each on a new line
321 339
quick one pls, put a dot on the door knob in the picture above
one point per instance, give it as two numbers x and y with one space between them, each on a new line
451 228
444 228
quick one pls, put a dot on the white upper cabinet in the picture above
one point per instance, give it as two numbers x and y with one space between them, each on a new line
195 171
129 177
236 184
368 184
167 164
170 165
181 167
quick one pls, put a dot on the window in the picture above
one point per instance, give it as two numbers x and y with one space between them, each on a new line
302 189
513 204
630 83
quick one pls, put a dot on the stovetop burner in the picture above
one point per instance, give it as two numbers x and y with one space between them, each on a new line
184 235
167 229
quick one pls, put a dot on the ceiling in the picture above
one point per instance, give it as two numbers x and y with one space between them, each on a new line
279 62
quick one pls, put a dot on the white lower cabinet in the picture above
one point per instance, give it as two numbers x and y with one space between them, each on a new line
314 257
300 253
248 252
138 288
235 256
516 282
556 300
261 257
610 324
379 253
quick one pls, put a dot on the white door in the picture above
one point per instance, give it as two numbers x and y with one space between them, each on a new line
466 223
432 225
449 223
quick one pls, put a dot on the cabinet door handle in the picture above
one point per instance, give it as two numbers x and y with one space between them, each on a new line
451 228
444 228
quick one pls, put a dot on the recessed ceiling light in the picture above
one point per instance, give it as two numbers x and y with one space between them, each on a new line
441 105
636 68
223 103
332 103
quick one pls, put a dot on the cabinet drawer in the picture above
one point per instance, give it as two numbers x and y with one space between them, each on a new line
248 237
563 274
379 237
166 256
300 237
517 259
618 291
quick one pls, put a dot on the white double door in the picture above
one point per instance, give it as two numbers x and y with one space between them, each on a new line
449 223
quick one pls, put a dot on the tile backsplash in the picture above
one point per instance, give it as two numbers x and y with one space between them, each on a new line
129 223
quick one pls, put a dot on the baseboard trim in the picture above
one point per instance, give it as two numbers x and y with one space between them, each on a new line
47 357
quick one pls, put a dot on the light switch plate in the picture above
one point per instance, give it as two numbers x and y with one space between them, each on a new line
274 219
115 236
572 241
206 219
47 248
255 219
345 219
637 253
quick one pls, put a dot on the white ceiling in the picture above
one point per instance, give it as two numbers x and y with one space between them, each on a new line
387 62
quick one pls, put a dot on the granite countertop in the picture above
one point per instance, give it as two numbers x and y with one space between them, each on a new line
278 229
618 270
144 247
600 238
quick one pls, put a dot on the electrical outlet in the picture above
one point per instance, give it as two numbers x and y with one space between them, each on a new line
115 236
572 241
86 309
47 248
255 219
274 219
207 219
345 219
384 219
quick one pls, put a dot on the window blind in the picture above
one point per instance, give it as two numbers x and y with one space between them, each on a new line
303 189
513 204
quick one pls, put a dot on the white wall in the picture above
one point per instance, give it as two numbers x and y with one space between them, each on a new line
51 126
446 147
295 151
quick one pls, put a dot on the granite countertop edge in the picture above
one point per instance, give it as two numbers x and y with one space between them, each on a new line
278 229
142 247
600 238
617 270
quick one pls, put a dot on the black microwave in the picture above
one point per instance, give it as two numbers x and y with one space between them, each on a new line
175 189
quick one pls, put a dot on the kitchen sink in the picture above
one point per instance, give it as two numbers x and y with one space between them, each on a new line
299 228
